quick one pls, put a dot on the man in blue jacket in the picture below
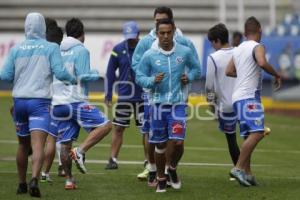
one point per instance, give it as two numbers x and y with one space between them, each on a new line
30 66
145 44
162 71
71 107
129 93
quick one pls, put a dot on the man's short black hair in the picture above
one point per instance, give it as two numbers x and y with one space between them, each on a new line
218 32
74 28
164 10
237 34
252 26
54 34
50 23
164 21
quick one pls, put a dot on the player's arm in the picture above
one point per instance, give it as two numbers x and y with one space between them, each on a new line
57 67
193 65
260 56
82 68
143 76
8 71
230 69
111 76
210 78
209 84
138 53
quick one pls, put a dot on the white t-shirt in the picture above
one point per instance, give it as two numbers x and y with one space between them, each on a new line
217 81
249 74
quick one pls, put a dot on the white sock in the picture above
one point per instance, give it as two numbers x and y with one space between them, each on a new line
152 167
58 149
114 159
166 169
79 150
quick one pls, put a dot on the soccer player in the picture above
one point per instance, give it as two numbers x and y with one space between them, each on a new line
237 38
30 66
53 34
145 44
246 65
70 104
130 99
219 87
162 71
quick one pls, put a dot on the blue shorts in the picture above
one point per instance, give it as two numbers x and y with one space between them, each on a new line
71 117
227 122
167 122
66 130
31 114
146 118
250 115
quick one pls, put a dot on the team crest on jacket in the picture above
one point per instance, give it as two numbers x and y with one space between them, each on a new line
179 60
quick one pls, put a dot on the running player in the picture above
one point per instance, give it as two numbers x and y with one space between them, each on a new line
247 63
219 87
161 70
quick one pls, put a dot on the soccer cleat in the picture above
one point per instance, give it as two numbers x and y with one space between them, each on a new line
45 178
152 182
161 185
168 180
22 188
78 159
267 131
240 176
251 179
145 163
70 184
61 171
174 180
111 164
144 175
34 190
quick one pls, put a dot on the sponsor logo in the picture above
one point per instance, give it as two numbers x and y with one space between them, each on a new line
88 107
157 62
251 107
28 47
177 128
258 122
67 53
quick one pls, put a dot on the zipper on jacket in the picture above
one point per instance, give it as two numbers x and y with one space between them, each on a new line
170 79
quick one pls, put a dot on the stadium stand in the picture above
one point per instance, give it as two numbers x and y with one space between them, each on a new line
192 16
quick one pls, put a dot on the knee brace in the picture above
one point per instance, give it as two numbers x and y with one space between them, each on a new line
160 151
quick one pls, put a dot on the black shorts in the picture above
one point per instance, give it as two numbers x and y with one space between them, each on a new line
124 110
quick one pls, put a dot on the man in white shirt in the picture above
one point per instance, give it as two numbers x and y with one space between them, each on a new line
246 64
219 87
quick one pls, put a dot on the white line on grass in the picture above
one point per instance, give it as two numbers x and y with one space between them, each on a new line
127 162
131 146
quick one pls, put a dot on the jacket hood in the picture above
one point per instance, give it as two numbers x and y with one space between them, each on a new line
156 47
69 42
35 26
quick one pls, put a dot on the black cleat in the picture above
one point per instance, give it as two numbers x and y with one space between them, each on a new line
111 164
22 188
161 185
168 180
152 182
34 190
174 180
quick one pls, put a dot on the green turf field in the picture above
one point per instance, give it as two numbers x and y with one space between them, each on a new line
204 172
